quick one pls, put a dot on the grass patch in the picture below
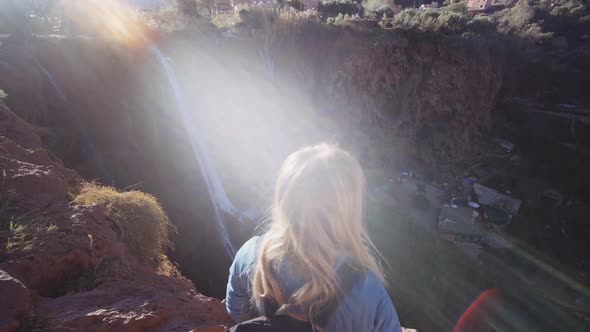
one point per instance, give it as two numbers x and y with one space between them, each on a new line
142 222
167 268
109 268
24 235
6 198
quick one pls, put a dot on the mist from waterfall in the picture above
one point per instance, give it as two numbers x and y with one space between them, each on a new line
219 199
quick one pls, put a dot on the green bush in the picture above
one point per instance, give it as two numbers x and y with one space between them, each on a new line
188 7
295 4
258 17
267 18
375 5
482 25
206 8
341 19
564 18
521 21
434 20
531 21
329 9
568 8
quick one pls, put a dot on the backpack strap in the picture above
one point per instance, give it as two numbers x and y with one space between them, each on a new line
270 307
280 318
349 275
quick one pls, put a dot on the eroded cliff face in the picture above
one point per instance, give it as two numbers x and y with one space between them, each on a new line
65 267
412 96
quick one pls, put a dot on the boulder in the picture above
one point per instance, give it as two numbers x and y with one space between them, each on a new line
38 186
139 303
17 129
30 175
15 302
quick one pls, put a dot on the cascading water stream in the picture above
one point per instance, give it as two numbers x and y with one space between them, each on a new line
219 198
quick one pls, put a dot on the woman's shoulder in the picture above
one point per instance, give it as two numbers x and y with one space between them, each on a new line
246 256
367 308
367 290
251 244
369 286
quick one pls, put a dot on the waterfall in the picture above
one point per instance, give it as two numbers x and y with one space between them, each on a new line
219 198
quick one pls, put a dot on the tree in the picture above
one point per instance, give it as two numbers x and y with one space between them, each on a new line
205 7
188 7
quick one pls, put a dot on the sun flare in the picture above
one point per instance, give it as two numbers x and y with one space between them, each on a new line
109 19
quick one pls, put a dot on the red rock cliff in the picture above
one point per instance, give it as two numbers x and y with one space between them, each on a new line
51 249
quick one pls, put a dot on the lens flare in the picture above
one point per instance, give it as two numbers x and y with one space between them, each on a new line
108 19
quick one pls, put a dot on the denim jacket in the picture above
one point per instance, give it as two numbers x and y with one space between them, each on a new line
367 308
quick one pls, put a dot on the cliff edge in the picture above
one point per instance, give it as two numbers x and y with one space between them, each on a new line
67 266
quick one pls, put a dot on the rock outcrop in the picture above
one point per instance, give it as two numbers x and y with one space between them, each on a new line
15 304
64 267
108 114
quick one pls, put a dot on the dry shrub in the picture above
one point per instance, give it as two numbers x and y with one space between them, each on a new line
142 222
167 268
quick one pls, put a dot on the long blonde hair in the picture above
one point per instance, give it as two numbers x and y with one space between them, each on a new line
317 217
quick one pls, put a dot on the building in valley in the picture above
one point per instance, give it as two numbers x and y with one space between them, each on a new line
431 5
480 5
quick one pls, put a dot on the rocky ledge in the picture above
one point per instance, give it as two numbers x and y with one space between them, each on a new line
64 266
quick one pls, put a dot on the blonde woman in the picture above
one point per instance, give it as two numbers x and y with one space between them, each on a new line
316 228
